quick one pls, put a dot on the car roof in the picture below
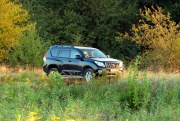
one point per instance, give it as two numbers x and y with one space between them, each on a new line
81 47
70 46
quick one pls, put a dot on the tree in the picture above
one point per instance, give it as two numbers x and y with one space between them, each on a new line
13 21
159 36
172 6
83 22
29 50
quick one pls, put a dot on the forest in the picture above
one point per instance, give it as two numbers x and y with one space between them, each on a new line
144 34
124 29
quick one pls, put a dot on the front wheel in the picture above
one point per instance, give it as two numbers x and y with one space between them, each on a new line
88 74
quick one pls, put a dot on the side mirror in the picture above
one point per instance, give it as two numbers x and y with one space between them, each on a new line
78 57
108 56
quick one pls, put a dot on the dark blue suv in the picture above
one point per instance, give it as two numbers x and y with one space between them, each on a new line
80 61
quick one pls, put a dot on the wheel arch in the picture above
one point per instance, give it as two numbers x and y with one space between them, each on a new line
86 67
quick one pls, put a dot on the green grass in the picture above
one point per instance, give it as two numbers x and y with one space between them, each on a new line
134 96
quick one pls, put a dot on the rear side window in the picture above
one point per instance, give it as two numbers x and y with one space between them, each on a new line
55 52
65 53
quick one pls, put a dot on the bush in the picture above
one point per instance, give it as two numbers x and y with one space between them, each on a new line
138 90
29 51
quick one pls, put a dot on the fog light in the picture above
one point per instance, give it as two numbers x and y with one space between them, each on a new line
121 69
100 71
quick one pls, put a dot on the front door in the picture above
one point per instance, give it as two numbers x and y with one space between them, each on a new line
75 65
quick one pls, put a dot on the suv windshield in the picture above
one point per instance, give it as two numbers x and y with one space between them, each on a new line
93 53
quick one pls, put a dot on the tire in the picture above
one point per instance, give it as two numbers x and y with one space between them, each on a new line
88 74
53 70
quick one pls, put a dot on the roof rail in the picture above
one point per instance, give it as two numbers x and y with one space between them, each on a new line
64 46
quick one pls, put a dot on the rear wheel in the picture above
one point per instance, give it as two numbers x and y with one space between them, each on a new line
53 70
88 74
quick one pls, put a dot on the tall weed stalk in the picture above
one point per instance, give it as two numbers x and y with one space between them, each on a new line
138 89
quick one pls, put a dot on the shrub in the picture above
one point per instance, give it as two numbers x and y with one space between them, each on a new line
138 90
29 51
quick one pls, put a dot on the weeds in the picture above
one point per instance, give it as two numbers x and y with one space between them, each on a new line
138 89
136 96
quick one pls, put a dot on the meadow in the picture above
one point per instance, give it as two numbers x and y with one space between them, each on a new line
132 96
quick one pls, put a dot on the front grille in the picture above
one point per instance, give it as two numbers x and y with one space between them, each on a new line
112 65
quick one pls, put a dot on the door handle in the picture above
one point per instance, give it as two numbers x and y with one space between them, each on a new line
70 61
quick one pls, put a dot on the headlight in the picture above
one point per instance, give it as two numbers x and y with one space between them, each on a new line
99 63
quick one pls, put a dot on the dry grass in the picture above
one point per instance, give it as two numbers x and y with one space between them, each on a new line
13 72
153 76
5 69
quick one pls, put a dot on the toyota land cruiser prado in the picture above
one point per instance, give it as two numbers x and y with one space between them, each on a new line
80 61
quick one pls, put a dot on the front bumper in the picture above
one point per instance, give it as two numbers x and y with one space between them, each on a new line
109 72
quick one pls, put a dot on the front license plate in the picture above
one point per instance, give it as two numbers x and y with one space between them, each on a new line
113 70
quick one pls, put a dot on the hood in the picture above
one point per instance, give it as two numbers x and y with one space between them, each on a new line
105 59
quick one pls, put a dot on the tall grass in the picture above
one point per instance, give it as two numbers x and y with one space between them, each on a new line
134 96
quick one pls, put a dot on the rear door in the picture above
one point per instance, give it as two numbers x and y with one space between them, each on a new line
55 58
64 60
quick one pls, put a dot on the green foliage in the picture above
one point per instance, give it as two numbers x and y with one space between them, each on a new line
56 81
31 96
97 24
138 90
58 90
126 50
172 6
88 23
29 51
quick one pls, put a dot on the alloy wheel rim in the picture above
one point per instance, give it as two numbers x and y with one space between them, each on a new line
88 75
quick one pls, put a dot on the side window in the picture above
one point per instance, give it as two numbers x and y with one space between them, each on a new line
55 52
74 53
65 53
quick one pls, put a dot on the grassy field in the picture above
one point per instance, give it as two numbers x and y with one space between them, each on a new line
133 96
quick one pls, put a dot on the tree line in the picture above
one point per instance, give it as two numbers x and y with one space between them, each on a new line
120 28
